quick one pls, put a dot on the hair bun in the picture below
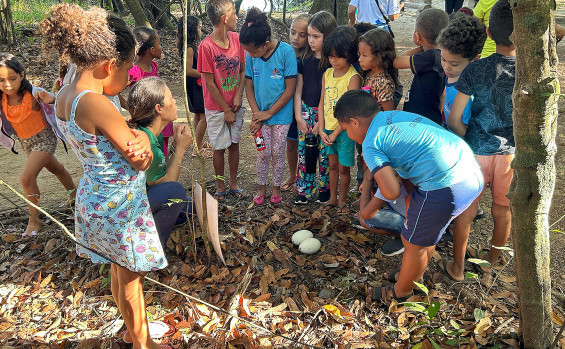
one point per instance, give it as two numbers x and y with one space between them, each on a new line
255 16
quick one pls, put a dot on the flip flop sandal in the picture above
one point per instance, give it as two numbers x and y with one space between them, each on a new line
287 186
388 294
442 265
476 252
29 235
391 275
237 193
343 210
275 199
220 195
480 214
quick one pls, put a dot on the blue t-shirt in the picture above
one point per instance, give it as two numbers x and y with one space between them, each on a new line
490 81
418 150
427 85
269 75
450 93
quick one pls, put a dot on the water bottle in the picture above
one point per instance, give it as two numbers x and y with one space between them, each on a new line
259 141
311 153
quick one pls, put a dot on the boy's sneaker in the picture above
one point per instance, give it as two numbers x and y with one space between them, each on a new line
323 197
392 247
300 200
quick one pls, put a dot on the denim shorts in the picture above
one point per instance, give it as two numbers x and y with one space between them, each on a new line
388 220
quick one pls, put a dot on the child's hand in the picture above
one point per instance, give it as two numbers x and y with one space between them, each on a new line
255 126
44 97
316 129
182 136
261 116
325 139
229 116
302 125
140 145
237 101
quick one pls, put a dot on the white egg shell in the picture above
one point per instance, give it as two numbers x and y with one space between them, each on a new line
300 236
310 246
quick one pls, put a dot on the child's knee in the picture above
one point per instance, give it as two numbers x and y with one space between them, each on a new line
27 180
344 171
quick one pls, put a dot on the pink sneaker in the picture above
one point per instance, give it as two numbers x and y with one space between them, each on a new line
276 199
259 199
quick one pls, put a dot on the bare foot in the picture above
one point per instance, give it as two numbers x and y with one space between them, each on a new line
33 228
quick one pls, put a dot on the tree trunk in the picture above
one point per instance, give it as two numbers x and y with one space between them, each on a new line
161 12
284 11
535 121
336 7
137 13
237 6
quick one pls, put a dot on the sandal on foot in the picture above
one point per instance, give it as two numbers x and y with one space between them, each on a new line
237 193
391 275
288 186
259 199
476 252
343 210
275 199
386 294
480 214
442 265
31 234
220 196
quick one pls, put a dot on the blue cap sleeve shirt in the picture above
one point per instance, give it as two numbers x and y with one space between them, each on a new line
490 81
450 93
269 76
418 149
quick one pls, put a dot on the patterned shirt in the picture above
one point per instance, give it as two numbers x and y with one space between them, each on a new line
381 87
491 82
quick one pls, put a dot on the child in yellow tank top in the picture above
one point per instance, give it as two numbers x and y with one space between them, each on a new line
341 49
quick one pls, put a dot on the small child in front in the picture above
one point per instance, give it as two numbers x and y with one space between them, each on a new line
439 166
221 60
424 94
460 43
340 47
271 82
490 130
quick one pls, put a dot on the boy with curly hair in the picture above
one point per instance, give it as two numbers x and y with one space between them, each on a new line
489 132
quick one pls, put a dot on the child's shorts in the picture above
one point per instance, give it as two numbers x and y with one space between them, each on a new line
222 134
44 141
343 147
498 174
386 219
430 212
293 130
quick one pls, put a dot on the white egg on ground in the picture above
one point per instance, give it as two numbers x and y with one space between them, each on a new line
300 236
310 246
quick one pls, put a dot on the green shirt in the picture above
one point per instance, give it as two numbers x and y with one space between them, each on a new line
482 10
158 167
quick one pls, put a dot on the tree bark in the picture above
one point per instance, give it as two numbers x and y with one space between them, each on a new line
161 12
137 12
336 7
535 121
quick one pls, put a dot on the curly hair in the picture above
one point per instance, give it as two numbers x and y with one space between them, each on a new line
256 30
86 37
500 23
463 36
382 45
325 23
142 99
145 38
8 60
192 36
342 42
215 9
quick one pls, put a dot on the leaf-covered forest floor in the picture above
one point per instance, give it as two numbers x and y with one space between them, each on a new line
50 298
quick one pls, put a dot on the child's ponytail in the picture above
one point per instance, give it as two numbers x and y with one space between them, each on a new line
256 30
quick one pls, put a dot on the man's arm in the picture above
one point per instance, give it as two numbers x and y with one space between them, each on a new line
351 14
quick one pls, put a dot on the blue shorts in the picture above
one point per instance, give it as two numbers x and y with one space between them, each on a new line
293 131
386 219
343 147
430 212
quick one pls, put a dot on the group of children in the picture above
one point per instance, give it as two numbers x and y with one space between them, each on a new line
330 88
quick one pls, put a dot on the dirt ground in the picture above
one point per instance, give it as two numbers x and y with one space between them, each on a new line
42 72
